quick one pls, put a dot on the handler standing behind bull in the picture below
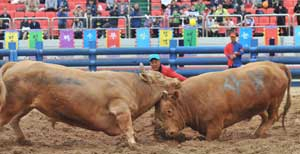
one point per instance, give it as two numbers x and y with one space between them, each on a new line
234 51
155 64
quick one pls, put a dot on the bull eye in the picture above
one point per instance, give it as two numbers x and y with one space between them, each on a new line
169 112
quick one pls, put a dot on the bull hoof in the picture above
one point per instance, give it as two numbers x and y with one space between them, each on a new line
201 138
180 138
24 142
133 146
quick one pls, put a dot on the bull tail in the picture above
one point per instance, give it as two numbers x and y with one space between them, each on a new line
3 90
288 97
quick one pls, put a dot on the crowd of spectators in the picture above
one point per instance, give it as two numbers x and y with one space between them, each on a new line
172 11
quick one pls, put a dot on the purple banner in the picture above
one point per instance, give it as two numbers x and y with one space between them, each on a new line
66 39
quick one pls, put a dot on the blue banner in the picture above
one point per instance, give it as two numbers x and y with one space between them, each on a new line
245 36
297 36
89 35
143 37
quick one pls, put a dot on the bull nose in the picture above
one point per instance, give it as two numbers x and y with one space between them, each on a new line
171 133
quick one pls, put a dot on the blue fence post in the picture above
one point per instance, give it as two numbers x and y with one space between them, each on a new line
253 55
173 55
92 56
39 51
13 55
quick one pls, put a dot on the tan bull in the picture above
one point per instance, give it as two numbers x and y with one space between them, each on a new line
101 101
210 102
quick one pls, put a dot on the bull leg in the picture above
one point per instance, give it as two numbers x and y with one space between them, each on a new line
123 117
16 127
268 122
213 131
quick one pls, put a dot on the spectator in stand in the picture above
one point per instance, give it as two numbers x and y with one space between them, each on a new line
228 4
110 4
135 22
92 6
78 11
32 5
114 13
200 6
241 11
34 24
63 4
2 27
77 27
229 25
216 2
62 22
174 6
25 27
175 23
51 5
99 23
5 15
281 9
123 8
212 27
221 11
17 1
297 10
88 15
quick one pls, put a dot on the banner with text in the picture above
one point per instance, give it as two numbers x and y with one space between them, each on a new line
143 37
190 37
113 38
165 35
66 38
34 36
245 36
11 36
89 35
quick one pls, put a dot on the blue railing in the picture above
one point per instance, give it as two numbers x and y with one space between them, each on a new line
92 62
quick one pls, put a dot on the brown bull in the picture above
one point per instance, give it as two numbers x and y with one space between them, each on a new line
100 101
213 101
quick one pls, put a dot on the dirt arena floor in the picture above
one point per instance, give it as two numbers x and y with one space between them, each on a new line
236 139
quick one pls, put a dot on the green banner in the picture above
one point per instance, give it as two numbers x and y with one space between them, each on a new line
35 36
190 37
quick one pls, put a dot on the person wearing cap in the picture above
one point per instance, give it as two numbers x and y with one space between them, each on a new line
155 64
233 51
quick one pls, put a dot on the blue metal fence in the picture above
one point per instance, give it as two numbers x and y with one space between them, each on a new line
92 62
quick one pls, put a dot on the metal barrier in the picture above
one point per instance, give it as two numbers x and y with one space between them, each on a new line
121 23
258 16
53 27
38 19
230 28
294 19
173 51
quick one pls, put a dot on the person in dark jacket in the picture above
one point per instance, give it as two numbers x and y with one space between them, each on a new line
114 13
281 9
135 22
24 27
297 10
34 24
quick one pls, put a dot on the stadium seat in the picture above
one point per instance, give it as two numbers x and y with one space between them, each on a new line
155 6
29 14
51 14
156 13
155 1
122 25
105 13
44 24
19 14
40 14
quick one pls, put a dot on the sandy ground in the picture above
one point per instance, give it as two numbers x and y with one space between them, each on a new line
71 140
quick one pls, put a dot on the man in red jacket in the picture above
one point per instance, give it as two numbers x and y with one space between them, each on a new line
167 71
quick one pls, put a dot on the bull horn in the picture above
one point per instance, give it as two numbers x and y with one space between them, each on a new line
142 68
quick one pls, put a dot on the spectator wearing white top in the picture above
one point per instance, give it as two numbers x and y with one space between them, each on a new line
51 5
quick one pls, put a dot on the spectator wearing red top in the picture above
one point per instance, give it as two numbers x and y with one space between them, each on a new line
234 51
167 71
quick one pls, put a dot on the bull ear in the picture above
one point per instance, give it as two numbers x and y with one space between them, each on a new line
142 68
145 77
175 95
164 95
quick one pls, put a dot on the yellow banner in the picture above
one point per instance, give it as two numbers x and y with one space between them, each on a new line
164 37
11 36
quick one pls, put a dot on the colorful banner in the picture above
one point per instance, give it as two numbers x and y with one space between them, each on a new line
165 35
271 32
297 36
11 36
190 37
112 38
34 36
89 35
66 38
143 37
245 36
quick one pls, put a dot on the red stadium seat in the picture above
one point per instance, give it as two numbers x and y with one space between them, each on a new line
122 25
155 1
40 14
156 6
19 14
51 14
156 13
29 14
